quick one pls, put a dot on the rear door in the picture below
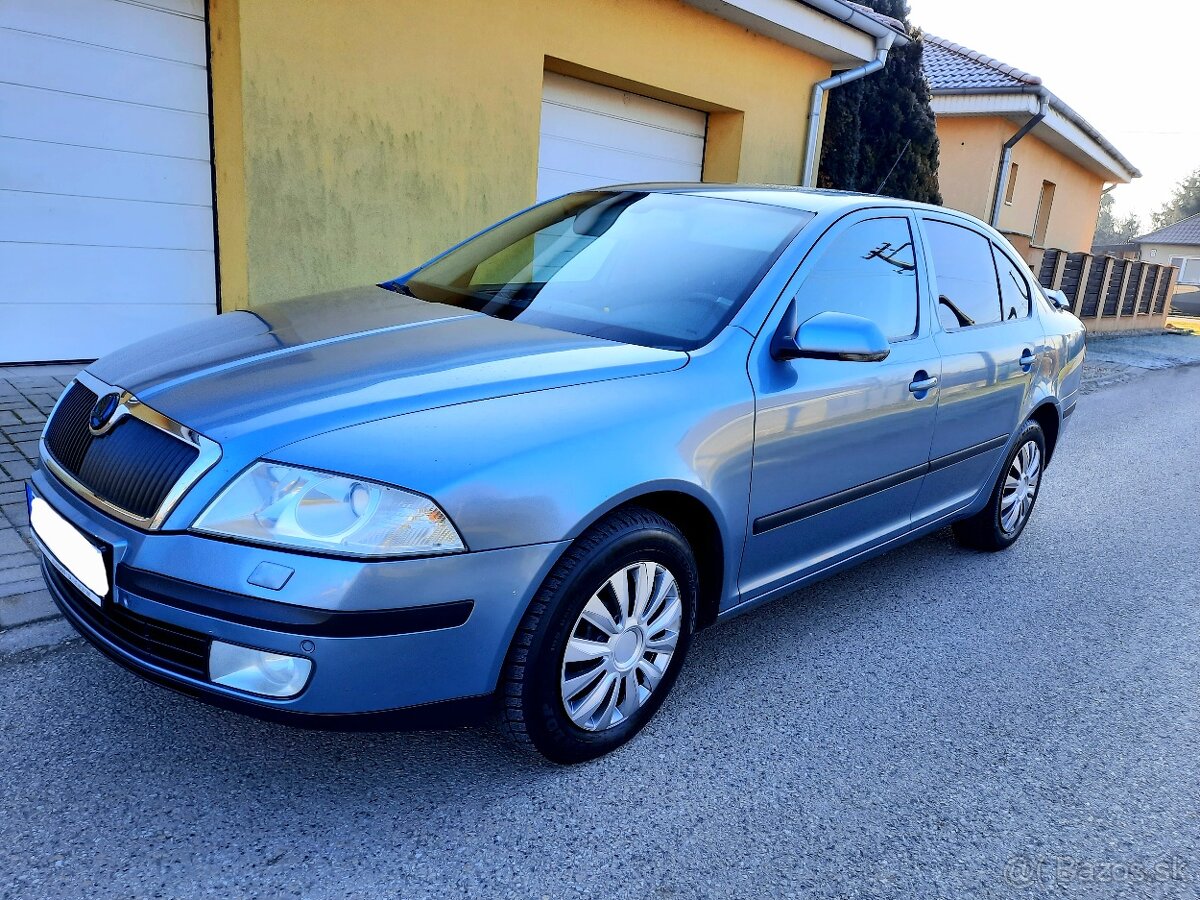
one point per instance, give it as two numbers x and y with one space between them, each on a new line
840 447
991 345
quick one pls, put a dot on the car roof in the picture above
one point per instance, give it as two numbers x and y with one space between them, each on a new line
816 200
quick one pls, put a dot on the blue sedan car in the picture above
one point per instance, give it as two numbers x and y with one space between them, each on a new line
525 473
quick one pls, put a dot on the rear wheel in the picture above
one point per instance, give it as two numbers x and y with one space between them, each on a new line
603 641
999 524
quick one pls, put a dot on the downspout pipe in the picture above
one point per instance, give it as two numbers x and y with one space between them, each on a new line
1006 156
883 44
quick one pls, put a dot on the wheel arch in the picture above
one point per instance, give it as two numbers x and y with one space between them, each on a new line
700 526
1046 414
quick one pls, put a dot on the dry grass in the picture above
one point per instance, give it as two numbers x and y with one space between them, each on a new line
1184 323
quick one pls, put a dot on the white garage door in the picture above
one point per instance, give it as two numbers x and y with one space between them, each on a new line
593 135
106 221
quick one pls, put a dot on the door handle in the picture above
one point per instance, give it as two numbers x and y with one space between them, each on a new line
922 384
1028 358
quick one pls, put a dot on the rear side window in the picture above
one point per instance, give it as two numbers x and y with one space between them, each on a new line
868 270
966 276
1014 287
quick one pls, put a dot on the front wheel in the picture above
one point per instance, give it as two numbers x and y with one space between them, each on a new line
999 524
604 639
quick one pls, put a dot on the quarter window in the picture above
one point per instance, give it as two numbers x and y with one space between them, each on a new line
1014 287
868 270
966 276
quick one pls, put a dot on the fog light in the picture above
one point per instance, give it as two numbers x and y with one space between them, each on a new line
257 671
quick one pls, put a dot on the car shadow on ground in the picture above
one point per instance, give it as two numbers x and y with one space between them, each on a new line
226 748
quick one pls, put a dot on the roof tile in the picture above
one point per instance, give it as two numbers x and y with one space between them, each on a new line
894 24
1185 231
951 67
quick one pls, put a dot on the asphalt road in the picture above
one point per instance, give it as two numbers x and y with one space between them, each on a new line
1186 304
937 723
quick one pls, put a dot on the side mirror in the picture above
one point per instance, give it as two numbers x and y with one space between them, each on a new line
829 335
1057 299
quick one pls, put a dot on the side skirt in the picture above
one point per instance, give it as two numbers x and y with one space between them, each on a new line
847 563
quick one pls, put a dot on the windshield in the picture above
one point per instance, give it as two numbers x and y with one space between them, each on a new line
657 269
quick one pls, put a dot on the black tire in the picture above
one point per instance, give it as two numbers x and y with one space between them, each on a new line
532 708
983 531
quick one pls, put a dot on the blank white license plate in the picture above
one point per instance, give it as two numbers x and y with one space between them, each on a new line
74 553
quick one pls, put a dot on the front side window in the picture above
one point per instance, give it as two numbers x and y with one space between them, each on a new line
658 269
1014 287
966 276
868 270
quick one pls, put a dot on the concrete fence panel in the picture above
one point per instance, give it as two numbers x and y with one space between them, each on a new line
1109 293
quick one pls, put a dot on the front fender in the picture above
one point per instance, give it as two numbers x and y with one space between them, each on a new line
541 466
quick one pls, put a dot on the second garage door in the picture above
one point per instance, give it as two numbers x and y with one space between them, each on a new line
593 135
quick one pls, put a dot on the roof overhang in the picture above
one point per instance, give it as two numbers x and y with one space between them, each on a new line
828 29
1063 129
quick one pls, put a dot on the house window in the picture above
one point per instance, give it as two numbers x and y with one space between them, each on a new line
1189 269
1042 221
1012 185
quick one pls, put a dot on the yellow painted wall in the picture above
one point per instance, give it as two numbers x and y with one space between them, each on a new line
229 153
1076 196
370 134
970 153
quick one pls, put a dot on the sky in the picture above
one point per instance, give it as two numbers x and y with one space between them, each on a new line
1129 68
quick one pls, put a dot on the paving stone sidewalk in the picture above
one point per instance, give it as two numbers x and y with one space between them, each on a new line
27 394
1116 358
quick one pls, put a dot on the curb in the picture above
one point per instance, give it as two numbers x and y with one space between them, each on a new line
36 635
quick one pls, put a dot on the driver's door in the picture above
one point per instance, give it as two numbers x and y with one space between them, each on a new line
840 447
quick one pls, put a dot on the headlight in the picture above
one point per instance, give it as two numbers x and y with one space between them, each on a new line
273 503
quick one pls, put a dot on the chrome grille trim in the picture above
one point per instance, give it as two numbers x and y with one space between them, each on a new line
209 452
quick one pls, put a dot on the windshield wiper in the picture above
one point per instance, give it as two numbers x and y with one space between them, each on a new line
399 288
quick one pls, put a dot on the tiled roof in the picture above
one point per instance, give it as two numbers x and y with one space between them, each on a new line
953 68
1185 231
894 24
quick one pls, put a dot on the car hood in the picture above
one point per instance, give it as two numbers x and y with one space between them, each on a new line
290 370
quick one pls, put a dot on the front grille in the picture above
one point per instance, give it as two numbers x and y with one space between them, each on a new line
165 645
133 466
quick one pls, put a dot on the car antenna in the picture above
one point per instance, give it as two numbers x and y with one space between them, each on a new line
899 156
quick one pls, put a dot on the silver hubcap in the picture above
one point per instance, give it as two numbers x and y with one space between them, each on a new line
621 646
1020 487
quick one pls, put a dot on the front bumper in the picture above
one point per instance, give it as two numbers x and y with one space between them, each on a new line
383 637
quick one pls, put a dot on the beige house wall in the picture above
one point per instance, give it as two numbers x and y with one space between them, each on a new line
1162 253
970 154
1076 197
967 160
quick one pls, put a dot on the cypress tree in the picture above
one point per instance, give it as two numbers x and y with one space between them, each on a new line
880 134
